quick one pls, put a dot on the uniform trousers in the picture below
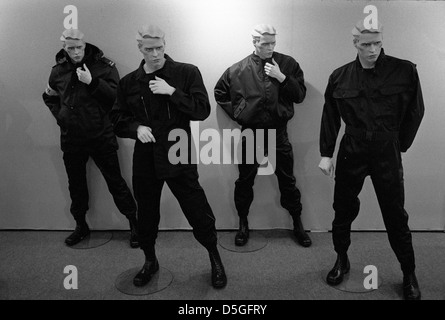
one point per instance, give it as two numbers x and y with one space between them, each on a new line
108 164
382 161
290 195
192 200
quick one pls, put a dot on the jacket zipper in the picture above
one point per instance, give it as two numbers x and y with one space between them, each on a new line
145 109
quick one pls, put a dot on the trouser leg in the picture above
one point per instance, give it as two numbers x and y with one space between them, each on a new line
387 178
147 191
244 188
350 174
108 164
194 204
75 165
248 169
290 195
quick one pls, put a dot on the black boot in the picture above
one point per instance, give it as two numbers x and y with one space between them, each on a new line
411 289
341 267
219 278
148 270
81 232
243 232
299 232
134 240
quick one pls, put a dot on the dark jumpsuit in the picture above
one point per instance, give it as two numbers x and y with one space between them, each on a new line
382 108
137 105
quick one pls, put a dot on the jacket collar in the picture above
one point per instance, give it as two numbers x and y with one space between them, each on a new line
378 64
166 71
258 60
92 54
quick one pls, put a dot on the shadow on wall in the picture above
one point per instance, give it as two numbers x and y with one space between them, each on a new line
14 121
56 156
29 195
102 211
225 186
304 132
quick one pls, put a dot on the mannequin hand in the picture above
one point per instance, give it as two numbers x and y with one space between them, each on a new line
327 166
160 86
84 75
145 135
273 70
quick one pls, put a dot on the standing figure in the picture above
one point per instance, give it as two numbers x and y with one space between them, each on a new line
80 93
380 100
160 96
259 92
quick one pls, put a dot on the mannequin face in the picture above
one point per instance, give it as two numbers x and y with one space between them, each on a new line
369 47
153 51
265 47
75 49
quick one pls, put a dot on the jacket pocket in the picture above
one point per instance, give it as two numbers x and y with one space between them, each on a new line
389 91
390 101
63 117
345 93
239 108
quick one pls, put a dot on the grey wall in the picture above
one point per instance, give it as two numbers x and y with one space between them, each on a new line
211 34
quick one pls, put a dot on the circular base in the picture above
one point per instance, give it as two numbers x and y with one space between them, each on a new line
353 281
160 280
94 240
256 242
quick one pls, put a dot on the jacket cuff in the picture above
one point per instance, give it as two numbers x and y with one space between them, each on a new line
134 130
285 81
176 96
93 84
328 155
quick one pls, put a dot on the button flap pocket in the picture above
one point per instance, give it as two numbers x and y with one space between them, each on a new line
346 93
239 108
389 91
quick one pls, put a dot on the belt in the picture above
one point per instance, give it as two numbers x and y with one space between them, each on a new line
372 135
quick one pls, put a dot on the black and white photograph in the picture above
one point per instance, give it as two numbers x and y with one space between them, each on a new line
222 158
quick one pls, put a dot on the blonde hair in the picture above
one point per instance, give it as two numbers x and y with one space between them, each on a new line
262 29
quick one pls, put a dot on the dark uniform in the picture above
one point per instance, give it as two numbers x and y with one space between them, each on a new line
257 101
81 111
382 108
137 105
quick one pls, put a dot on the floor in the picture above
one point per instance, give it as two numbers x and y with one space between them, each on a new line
32 265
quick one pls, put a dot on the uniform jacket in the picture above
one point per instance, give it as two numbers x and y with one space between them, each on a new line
387 98
255 100
137 105
81 110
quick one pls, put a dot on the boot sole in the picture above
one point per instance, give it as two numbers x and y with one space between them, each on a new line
219 286
145 282
335 283
73 244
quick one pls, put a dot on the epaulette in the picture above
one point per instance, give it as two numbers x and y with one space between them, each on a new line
60 61
107 61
